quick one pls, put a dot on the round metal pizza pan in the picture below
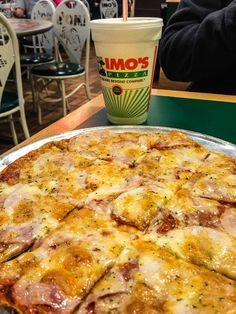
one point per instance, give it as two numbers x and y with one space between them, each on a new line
210 142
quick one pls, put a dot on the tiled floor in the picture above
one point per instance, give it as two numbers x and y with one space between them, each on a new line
52 112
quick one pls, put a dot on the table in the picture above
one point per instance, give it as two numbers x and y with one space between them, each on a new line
26 27
212 114
205 113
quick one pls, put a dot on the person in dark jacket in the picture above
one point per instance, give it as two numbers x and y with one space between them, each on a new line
199 45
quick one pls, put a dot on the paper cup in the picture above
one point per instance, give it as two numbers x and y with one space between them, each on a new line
126 55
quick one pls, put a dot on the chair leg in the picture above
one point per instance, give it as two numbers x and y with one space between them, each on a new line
63 97
24 123
67 104
87 88
39 109
58 88
34 93
13 130
36 97
28 73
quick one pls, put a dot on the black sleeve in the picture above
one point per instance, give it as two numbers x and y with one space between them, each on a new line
199 42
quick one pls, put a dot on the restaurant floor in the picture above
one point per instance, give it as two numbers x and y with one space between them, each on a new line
52 112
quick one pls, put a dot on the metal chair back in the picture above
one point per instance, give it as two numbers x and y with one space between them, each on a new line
9 57
71 23
10 60
44 10
85 2
108 9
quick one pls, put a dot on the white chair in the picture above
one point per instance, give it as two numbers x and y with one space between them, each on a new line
85 2
108 9
71 28
44 10
42 44
10 102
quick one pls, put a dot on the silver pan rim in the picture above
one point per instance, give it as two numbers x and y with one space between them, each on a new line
212 143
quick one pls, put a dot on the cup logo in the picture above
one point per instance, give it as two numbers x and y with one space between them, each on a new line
101 63
126 64
123 68
126 84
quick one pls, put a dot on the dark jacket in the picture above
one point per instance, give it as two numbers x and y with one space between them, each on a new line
199 45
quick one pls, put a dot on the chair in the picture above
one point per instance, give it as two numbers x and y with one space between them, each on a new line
108 9
42 44
10 102
71 28
44 10
85 2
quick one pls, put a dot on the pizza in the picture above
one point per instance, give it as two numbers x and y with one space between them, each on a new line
119 222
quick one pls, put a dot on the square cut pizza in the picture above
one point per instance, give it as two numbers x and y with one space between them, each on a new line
111 222
60 269
148 279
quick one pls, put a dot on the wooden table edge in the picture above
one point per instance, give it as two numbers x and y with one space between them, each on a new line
80 115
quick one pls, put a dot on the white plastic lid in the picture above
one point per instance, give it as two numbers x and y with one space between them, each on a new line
132 23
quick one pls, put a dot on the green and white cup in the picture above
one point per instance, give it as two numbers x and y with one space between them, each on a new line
126 55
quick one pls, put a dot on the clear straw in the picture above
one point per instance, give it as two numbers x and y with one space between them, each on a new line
125 10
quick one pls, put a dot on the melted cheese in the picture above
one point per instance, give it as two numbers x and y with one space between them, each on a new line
160 283
202 246
165 185
69 261
215 179
137 207
30 214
